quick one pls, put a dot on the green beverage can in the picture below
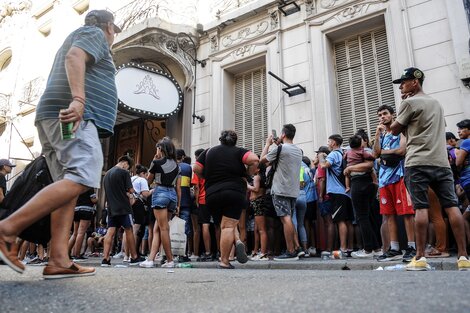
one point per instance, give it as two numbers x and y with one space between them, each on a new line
66 131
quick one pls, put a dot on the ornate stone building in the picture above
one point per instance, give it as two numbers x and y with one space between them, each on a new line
188 69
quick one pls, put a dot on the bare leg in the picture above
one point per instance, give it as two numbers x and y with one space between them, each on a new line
343 235
458 228
289 232
410 227
130 242
83 226
108 241
227 238
206 237
385 233
73 237
263 235
196 234
242 226
421 226
162 221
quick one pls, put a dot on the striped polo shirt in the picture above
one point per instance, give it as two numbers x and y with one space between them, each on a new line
100 86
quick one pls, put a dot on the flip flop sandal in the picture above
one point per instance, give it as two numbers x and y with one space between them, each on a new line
223 267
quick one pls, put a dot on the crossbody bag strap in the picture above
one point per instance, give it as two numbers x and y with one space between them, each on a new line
278 153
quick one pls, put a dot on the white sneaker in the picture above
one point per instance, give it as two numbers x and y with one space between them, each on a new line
312 251
147 264
168 264
158 257
126 259
362 254
256 257
263 257
119 255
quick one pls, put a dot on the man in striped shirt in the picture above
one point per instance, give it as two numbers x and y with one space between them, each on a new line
80 90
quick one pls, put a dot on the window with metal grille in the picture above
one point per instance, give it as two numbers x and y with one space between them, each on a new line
364 81
251 117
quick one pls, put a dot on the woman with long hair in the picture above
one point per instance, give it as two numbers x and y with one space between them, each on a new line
165 201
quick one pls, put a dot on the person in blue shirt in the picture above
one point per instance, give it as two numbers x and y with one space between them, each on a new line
341 206
394 199
463 156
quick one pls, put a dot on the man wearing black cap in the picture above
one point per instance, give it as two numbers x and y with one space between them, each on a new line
5 169
81 91
421 119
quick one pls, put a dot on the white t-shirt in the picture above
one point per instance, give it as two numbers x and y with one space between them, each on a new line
139 184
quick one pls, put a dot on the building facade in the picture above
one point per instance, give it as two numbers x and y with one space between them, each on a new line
217 57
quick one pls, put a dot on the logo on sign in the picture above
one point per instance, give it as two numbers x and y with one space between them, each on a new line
146 86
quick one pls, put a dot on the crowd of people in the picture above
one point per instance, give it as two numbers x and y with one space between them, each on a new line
349 199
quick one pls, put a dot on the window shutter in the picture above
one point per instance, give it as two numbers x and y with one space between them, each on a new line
251 110
364 81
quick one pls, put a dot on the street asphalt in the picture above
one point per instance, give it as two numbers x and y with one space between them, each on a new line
301 286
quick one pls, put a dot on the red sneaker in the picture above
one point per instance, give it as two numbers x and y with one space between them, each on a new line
75 270
9 255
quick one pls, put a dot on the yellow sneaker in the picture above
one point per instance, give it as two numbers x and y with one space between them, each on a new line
418 265
463 263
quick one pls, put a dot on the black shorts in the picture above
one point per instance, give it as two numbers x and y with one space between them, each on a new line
83 215
204 216
311 213
120 220
419 178
139 213
341 208
228 203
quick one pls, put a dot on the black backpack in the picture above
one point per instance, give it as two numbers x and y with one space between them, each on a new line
34 178
270 175
344 164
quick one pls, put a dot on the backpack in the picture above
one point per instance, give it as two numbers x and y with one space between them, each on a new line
34 178
272 170
344 164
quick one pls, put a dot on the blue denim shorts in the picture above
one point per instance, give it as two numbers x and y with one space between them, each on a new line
164 197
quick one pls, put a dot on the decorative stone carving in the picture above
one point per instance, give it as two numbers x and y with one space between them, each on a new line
219 7
328 4
176 12
310 7
214 42
242 51
245 34
347 13
274 17
169 45
8 9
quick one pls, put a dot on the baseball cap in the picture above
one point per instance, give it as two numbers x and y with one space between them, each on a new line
410 73
6 162
323 149
101 17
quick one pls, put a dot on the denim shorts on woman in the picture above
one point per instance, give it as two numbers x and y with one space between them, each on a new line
164 197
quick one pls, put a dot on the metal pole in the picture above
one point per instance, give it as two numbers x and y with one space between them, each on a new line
278 78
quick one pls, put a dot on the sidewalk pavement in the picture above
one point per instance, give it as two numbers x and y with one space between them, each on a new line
312 263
